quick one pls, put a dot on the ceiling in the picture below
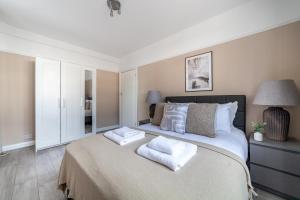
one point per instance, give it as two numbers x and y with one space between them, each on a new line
88 24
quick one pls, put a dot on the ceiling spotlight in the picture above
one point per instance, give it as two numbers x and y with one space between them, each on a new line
114 5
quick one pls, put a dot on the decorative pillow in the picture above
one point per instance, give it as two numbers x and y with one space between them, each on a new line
223 118
158 114
201 119
174 118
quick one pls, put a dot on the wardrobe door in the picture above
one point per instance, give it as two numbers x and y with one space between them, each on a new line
72 118
47 101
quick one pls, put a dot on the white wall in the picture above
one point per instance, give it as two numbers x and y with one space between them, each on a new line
26 43
250 18
253 17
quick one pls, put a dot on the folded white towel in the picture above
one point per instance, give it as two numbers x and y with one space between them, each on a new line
124 140
166 145
172 162
126 132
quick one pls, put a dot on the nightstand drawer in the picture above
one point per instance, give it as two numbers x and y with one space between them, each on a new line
274 158
275 180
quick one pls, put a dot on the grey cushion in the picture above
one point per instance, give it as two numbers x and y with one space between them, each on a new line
174 118
158 114
200 119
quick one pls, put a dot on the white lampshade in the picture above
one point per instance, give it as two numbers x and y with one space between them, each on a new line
153 97
277 93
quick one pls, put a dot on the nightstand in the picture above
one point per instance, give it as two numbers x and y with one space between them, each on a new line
275 167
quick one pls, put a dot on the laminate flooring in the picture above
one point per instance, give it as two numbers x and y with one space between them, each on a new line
26 175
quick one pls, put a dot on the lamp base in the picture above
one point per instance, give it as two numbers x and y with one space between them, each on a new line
152 110
278 121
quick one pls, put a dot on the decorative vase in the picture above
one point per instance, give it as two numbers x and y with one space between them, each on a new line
258 136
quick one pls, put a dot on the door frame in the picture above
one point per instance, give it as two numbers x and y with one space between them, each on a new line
136 96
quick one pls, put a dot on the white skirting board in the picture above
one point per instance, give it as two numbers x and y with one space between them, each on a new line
18 145
32 142
107 128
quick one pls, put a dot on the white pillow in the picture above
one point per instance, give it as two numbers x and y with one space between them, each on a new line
233 110
223 118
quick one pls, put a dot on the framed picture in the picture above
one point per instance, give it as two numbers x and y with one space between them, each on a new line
198 72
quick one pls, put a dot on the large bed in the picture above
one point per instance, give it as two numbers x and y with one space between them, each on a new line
235 142
97 168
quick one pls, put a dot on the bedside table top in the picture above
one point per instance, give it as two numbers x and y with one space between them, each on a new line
290 144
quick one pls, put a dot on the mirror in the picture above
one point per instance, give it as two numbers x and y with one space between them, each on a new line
88 101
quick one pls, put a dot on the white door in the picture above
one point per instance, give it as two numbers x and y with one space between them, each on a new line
128 98
72 102
47 101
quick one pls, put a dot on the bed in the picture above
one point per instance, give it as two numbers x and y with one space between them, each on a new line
97 168
235 142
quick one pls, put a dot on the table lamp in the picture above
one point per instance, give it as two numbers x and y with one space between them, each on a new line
153 97
277 94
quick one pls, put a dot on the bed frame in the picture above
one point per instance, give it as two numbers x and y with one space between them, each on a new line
240 118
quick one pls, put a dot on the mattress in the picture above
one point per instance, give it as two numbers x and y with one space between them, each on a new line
234 142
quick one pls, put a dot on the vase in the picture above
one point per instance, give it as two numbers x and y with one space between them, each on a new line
258 136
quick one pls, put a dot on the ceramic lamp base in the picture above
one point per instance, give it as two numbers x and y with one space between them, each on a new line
152 110
278 121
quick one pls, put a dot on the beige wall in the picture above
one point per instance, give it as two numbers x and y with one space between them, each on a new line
239 67
16 98
107 98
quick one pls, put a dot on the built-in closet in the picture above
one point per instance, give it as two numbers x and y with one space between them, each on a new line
60 102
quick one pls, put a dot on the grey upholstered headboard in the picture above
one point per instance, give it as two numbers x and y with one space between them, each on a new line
240 118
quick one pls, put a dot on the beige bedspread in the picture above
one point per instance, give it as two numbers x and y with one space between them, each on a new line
96 168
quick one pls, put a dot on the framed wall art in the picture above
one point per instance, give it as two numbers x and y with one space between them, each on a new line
198 72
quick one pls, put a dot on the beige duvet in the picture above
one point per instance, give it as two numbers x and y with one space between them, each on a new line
96 168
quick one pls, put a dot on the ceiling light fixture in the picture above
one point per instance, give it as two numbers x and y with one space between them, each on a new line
114 5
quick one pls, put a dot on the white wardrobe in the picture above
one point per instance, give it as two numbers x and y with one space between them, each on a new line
59 93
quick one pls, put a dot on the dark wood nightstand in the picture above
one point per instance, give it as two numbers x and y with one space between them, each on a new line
275 167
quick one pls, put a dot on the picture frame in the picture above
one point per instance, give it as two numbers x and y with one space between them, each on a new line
198 73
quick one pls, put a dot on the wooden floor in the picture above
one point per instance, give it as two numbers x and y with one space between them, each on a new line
25 175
